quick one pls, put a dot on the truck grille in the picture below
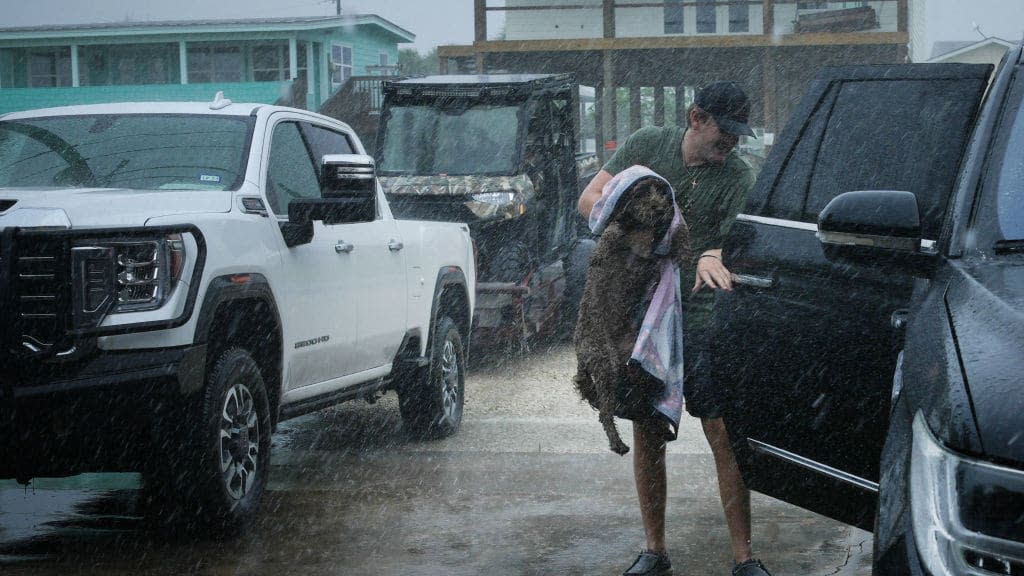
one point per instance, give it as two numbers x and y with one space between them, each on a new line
36 294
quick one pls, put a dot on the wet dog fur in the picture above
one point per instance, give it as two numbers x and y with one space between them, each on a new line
622 270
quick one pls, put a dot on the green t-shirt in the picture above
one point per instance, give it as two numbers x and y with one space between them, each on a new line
709 197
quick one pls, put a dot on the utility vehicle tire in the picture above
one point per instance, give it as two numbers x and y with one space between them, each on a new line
224 471
431 405
510 263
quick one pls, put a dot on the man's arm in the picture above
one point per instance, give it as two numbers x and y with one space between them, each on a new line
592 193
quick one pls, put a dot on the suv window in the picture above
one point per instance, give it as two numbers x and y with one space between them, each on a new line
1010 189
291 174
787 198
872 140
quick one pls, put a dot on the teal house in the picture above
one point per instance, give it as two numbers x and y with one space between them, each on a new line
301 61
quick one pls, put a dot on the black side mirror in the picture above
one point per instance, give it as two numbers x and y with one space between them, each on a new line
874 227
349 196
349 175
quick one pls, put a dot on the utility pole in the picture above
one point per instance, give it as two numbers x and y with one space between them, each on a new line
337 7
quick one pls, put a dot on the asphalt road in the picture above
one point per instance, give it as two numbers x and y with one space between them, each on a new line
527 486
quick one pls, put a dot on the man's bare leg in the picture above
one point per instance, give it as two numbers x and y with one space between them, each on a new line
649 472
734 493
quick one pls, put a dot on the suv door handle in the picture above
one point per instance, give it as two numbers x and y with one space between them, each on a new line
395 245
752 281
343 246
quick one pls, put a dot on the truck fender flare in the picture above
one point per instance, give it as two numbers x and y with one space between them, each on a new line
252 286
448 277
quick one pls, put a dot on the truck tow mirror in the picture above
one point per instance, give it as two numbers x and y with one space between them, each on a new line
348 175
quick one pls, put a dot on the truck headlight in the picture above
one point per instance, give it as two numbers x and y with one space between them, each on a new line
967 514
495 198
112 277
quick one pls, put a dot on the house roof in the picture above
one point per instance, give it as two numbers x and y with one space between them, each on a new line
184 27
945 50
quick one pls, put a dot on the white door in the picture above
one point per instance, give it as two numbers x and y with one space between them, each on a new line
319 310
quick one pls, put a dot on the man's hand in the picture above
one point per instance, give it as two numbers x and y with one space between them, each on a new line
711 272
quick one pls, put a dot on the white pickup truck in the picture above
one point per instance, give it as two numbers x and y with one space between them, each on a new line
176 278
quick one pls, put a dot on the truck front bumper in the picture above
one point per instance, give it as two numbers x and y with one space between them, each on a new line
101 413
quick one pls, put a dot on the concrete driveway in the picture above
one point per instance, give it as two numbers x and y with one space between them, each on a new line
527 486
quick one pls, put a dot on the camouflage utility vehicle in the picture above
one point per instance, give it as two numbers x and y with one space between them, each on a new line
498 152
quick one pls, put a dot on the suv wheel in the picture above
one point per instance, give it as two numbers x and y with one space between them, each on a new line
220 472
432 406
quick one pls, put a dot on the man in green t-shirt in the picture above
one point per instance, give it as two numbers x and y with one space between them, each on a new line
711 183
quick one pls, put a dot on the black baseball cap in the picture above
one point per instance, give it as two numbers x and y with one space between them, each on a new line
728 105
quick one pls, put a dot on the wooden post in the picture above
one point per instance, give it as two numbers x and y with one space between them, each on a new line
608 98
479 31
608 11
901 15
480 20
634 109
680 105
659 106
599 122
768 89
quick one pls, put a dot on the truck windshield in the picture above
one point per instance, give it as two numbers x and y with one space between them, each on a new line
429 140
165 152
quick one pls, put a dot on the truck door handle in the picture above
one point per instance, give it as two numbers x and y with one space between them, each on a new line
752 281
343 246
395 245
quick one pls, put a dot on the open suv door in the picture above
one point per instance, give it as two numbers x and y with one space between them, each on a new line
807 345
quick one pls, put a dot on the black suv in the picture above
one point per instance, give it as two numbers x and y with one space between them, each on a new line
874 344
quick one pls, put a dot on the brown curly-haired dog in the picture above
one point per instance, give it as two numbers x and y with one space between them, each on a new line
623 268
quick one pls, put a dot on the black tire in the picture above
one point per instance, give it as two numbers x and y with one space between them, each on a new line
510 262
431 405
219 474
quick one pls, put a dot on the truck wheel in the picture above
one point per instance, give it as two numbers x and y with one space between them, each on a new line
227 467
431 406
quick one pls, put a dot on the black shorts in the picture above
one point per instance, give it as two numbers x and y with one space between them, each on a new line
704 399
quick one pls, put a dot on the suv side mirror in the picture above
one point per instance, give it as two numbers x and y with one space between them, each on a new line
875 227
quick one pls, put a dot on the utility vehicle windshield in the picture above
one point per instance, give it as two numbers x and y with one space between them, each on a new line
432 140
166 152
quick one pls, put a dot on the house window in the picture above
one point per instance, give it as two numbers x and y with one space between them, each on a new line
706 16
341 64
673 17
49 67
123 64
383 59
739 17
215 63
270 62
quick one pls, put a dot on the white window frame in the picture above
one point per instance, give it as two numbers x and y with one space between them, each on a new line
338 64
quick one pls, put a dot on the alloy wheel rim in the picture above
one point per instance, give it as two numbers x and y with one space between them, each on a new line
450 382
239 442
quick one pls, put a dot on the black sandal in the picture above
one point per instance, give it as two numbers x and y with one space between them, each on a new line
752 567
650 563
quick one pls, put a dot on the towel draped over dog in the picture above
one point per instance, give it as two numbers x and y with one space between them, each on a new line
659 345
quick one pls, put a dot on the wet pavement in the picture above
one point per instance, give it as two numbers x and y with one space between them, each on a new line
527 486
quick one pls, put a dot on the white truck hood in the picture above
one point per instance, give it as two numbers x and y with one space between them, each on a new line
103 207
